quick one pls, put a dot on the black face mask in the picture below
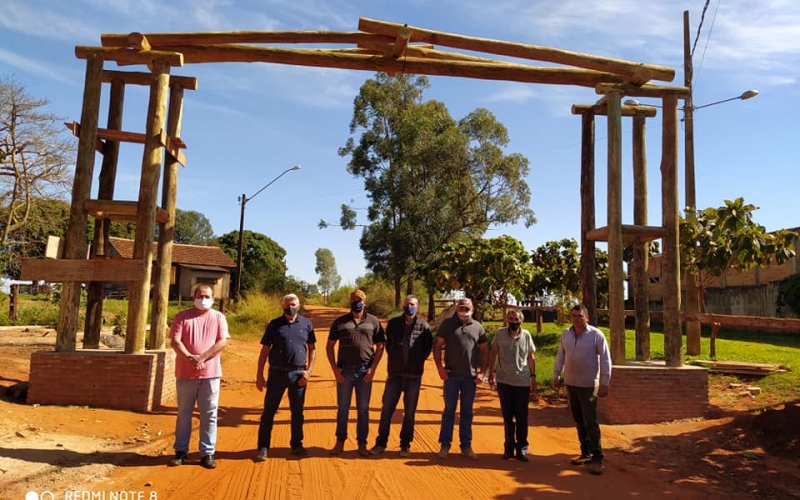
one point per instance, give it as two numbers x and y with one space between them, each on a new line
357 306
513 327
291 311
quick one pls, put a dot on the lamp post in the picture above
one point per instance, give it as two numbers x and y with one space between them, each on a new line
243 200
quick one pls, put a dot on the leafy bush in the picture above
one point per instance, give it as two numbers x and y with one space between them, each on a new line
789 293
252 315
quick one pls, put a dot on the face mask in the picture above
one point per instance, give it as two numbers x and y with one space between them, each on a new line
513 327
357 306
291 311
464 316
204 304
410 310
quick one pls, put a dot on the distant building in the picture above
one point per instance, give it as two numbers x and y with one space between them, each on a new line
192 265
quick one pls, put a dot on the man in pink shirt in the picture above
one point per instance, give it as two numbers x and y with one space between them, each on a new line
198 335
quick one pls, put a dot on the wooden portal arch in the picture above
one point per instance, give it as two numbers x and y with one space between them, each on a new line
376 46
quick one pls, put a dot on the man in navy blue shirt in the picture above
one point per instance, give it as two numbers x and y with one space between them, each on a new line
289 344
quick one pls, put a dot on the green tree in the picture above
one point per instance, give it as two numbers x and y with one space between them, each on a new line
329 278
720 240
263 261
46 217
430 180
488 270
36 154
192 228
557 273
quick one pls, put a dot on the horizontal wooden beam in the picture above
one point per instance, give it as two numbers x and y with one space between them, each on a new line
754 322
145 79
630 234
222 37
658 91
84 271
125 56
632 70
173 145
602 110
408 65
120 211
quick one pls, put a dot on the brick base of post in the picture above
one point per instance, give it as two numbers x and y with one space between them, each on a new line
650 392
101 378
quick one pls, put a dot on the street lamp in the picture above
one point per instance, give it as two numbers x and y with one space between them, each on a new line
747 94
243 200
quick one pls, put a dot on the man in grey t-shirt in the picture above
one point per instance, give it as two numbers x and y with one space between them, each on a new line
467 346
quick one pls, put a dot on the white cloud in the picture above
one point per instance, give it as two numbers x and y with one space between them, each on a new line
32 66
517 93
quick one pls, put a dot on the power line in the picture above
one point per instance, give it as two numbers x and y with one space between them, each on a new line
708 39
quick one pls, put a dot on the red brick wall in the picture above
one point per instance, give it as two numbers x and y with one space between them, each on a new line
103 379
643 393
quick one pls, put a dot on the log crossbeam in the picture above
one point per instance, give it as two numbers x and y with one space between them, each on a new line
173 145
120 211
630 234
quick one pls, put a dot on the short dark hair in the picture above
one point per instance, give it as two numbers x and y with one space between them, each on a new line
582 308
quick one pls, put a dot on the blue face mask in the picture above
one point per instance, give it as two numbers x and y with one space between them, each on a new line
410 310
357 306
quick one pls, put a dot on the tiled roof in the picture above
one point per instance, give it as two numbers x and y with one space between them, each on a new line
181 254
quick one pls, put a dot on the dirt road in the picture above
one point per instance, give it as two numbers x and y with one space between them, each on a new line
641 463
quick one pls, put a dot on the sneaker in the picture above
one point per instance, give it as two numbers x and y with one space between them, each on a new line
377 450
180 459
262 455
300 452
444 451
467 452
208 462
338 448
405 451
595 468
523 457
363 451
581 460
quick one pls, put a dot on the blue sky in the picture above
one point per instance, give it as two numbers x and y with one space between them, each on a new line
247 123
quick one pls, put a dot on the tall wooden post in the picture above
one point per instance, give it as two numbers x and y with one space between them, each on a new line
691 288
75 242
670 273
641 255
588 276
616 286
145 218
169 193
102 227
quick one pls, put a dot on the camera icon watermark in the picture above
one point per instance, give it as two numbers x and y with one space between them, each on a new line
44 495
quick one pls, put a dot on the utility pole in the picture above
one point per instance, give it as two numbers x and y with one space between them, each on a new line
690 279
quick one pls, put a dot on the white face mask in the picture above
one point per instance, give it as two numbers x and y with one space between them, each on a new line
464 316
204 304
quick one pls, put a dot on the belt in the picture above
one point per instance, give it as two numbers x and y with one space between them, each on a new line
289 368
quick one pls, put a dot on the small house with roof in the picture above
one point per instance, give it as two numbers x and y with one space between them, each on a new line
192 265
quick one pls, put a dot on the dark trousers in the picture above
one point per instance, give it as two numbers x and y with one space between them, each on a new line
353 381
395 385
514 407
279 382
583 404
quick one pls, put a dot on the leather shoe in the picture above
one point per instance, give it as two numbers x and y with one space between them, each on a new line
208 462
180 459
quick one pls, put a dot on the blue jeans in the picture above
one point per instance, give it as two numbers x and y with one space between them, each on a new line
584 411
353 379
277 383
204 392
453 387
395 385
514 407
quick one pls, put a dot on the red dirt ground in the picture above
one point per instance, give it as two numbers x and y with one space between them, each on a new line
82 453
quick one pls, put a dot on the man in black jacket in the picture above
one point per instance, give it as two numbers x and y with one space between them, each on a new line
408 345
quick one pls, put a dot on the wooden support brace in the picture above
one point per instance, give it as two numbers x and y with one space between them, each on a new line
630 234
120 211
602 110
173 145
125 56
138 41
401 42
145 79
84 271
657 91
